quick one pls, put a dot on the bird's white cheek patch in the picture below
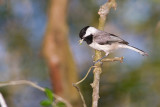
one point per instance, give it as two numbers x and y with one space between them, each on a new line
87 34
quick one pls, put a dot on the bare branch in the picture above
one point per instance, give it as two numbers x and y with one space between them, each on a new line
105 8
23 82
85 75
95 86
81 95
103 12
113 59
78 89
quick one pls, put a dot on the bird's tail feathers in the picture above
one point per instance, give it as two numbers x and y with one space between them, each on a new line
134 49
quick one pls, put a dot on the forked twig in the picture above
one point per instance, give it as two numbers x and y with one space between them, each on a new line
103 60
85 75
78 89
103 12
81 95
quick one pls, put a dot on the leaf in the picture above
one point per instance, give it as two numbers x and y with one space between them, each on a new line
46 102
60 104
49 94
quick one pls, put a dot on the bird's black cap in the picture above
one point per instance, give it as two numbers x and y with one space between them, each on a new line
83 32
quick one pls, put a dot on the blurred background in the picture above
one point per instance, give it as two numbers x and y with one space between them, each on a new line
39 43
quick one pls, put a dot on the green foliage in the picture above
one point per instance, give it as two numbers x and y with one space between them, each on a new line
49 94
46 103
61 104
49 102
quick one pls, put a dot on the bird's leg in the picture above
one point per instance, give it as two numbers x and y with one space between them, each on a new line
99 60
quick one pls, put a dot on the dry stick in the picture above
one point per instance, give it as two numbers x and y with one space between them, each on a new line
78 89
104 60
85 76
21 82
103 11
113 59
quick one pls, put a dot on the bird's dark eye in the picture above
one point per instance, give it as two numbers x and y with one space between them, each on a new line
83 32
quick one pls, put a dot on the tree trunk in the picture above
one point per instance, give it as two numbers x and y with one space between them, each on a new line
57 52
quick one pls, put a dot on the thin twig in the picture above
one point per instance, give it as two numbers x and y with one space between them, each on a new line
85 75
78 89
22 82
81 95
2 101
103 12
113 59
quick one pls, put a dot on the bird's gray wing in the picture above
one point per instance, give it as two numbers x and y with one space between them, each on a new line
104 38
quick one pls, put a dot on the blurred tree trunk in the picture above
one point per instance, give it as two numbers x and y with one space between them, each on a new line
57 52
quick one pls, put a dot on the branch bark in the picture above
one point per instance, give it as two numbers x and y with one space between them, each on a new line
25 82
113 59
78 89
103 12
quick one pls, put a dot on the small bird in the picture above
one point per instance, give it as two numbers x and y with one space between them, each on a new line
103 41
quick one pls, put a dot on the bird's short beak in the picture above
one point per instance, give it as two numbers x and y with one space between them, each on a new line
80 41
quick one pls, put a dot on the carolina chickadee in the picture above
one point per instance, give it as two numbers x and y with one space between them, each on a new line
104 41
